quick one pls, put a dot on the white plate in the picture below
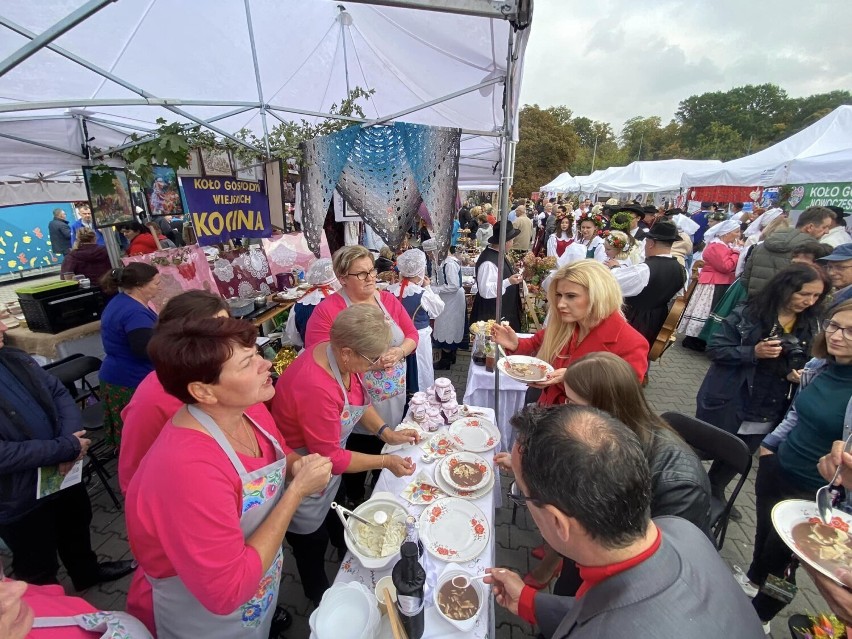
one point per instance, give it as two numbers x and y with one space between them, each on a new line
453 529
453 460
474 434
786 515
539 369
462 494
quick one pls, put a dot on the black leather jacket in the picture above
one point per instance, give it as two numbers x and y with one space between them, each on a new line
679 483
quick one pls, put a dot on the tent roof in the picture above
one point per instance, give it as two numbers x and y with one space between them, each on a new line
652 176
587 182
820 153
188 61
562 183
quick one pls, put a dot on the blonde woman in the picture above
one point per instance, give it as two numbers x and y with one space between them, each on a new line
585 317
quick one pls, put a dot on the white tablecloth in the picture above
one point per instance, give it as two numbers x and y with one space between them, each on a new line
436 626
480 392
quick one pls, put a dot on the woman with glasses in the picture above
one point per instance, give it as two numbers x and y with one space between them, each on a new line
318 400
789 455
386 379
757 357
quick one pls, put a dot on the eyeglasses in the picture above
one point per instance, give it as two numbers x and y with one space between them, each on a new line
832 327
365 275
520 499
373 362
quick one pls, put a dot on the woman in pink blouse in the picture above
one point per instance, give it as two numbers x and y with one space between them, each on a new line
318 400
355 269
207 509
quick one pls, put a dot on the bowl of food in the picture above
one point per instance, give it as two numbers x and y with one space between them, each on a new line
377 546
459 606
466 471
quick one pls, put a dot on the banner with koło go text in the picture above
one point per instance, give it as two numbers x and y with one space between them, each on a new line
827 194
227 208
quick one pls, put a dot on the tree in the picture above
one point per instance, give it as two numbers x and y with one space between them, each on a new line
548 145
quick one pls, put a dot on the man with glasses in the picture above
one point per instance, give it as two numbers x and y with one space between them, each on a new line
585 479
838 266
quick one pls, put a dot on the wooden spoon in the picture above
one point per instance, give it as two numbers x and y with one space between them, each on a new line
396 624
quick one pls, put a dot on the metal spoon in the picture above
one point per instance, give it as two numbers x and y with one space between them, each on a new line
827 496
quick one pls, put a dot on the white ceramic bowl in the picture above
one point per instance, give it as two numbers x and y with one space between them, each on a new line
451 571
384 501
347 611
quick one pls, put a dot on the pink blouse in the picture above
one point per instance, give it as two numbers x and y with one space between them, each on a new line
183 518
319 326
144 417
307 407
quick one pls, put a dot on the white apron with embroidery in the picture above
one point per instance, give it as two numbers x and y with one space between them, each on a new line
177 613
314 508
385 387
111 625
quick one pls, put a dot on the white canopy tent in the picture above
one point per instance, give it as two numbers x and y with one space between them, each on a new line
651 176
588 182
562 183
820 153
73 82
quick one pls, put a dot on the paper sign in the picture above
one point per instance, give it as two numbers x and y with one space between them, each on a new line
50 480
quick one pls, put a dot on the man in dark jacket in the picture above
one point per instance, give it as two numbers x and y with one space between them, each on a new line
659 578
40 425
59 232
776 251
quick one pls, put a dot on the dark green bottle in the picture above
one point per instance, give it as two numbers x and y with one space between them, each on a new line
409 579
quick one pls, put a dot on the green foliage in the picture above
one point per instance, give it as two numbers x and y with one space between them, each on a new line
548 142
719 125
285 138
169 147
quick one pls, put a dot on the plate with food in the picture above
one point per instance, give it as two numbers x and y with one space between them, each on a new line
524 368
465 471
827 548
453 529
452 491
474 434
289 294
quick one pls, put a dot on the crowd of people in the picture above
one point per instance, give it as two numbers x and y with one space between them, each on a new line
220 466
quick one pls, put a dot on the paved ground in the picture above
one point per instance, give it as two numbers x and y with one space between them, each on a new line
672 386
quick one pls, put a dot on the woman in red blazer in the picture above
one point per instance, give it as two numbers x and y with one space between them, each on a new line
585 317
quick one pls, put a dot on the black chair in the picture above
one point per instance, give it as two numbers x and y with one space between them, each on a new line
72 372
711 443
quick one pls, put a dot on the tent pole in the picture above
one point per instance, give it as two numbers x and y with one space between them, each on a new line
257 78
430 103
9 136
38 42
505 185
153 135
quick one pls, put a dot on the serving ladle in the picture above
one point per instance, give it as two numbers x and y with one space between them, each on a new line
380 517
827 496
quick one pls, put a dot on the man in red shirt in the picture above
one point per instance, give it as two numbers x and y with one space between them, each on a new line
585 479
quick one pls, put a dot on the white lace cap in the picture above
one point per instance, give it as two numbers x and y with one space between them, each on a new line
320 272
412 263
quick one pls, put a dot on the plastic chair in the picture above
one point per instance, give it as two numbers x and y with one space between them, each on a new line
72 372
712 443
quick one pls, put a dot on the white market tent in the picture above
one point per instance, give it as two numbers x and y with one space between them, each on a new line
562 183
587 183
820 153
72 82
650 176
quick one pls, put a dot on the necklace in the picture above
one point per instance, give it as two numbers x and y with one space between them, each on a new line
252 447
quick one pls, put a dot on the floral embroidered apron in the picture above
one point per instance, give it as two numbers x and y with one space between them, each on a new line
386 388
177 613
314 508
111 625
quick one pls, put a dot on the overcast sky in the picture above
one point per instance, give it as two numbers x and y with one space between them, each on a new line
614 59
